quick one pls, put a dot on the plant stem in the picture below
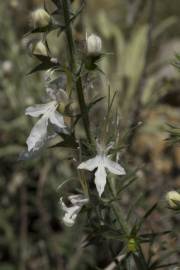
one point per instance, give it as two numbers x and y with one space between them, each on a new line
69 35
118 213
73 65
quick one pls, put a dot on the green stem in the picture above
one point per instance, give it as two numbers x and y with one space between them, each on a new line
118 212
72 62
69 35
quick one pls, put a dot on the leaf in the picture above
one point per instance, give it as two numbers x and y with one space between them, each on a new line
164 25
140 261
95 102
132 180
150 236
176 62
42 66
166 265
89 107
46 29
43 58
135 53
147 214
63 183
174 134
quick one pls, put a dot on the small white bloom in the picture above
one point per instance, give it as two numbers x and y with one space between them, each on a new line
72 212
173 198
94 44
102 162
39 132
38 48
40 18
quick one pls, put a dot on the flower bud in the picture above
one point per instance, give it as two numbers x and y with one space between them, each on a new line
94 45
40 18
173 199
7 67
39 49
132 245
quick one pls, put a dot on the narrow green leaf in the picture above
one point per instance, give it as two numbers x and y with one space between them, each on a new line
147 214
42 67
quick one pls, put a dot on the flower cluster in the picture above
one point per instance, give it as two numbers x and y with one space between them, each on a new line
52 119
101 162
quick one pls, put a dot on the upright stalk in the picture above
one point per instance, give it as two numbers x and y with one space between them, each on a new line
73 65
118 212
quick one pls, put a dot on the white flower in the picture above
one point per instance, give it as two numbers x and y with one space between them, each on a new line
102 162
39 133
94 45
72 212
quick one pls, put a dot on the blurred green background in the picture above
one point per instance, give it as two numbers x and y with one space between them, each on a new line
31 233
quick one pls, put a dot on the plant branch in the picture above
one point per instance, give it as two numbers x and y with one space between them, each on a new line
113 264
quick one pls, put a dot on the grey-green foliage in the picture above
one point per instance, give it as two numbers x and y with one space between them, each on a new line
43 243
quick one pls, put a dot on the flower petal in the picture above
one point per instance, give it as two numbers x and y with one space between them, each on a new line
90 164
57 119
38 134
100 179
78 199
63 206
37 110
113 167
71 215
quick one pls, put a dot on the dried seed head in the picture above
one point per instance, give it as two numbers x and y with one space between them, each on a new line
39 48
40 18
94 45
173 199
